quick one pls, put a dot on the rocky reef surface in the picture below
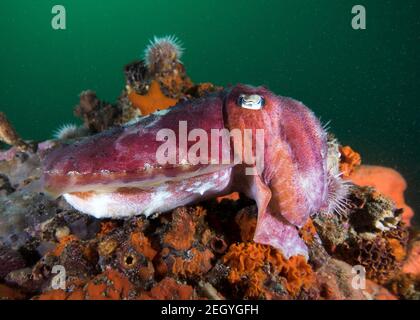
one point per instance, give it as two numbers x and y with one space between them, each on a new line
202 251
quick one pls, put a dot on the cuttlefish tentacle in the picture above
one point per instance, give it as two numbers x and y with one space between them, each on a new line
272 229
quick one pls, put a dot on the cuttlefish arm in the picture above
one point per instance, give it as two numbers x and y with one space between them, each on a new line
272 229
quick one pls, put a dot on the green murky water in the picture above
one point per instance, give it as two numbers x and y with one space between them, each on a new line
365 82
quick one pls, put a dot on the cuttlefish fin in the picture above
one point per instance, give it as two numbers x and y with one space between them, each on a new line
271 228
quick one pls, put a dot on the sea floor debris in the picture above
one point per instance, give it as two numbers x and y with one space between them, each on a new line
201 251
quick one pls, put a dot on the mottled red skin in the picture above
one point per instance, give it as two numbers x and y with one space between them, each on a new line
292 185
128 154
295 147
295 144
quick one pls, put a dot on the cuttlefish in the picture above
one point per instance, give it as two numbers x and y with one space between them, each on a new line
120 173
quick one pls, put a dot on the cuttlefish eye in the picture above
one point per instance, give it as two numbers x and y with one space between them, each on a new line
251 101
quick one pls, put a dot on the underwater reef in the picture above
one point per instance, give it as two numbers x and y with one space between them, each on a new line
204 250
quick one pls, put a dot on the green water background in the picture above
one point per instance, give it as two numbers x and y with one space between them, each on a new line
365 82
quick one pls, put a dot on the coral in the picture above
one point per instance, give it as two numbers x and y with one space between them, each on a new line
397 249
160 80
218 245
163 65
109 285
382 256
209 291
231 196
169 289
197 263
298 274
28 210
375 256
332 229
9 135
70 131
80 225
134 265
248 263
245 257
63 243
130 252
107 247
162 54
21 168
152 101
375 291
182 230
388 182
190 263
9 260
406 286
186 244
62 232
136 76
333 155
78 258
24 280
334 282
142 245
53 295
206 237
129 113
370 234
412 264
106 227
181 254
202 89
247 222
7 293
350 160
373 212
96 115
308 232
